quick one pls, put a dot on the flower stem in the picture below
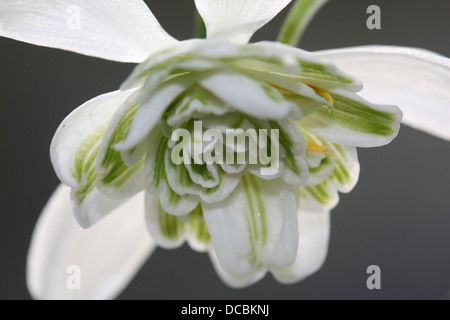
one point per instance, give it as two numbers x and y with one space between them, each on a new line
298 20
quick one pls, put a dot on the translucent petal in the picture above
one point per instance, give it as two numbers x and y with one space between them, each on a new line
116 30
106 256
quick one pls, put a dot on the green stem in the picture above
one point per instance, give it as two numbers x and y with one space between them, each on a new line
200 28
298 20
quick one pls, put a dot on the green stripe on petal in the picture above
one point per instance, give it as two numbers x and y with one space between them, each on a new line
255 208
119 132
166 229
354 121
197 232
117 179
84 163
318 198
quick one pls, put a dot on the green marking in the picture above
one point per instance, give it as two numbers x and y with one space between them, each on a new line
117 171
255 214
159 172
88 146
261 206
84 163
202 170
325 162
197 223
319 192
169 225
362 110
112 156
288 144
358 117
250 206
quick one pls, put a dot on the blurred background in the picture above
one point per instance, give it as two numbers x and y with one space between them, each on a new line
398 216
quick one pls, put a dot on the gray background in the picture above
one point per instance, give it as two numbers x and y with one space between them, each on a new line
398 217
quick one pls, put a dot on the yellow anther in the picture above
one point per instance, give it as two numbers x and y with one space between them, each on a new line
323 93
312 147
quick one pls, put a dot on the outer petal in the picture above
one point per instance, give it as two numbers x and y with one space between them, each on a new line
237 20
416 80
116 30
314 234
108 255
255 227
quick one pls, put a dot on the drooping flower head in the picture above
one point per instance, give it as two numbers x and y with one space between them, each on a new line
251 220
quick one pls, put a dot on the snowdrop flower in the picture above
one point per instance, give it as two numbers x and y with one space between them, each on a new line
113 152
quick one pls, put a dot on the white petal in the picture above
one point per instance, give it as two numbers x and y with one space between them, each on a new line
237 20
117 30
255 227
108 255
314 234
77 126
416 80
233 281
249 96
